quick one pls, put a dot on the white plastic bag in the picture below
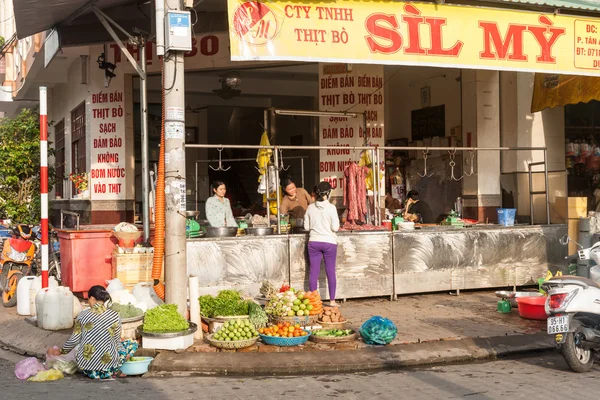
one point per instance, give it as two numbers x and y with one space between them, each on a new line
114 285
146 296
123 297
64 363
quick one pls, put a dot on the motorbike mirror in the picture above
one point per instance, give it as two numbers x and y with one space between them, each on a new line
564 240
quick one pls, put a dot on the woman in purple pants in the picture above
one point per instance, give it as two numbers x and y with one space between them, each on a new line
321 219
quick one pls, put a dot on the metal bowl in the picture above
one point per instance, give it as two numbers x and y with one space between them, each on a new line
259 231
218 231
192 214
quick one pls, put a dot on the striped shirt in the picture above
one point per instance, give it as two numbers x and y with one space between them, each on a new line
97 331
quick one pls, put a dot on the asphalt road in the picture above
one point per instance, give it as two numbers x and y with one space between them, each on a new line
538 376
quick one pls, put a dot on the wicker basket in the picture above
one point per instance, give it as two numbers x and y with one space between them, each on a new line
234 344
281 341
334 339
333 325
303 321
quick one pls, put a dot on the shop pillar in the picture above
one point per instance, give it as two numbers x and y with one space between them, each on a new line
481 128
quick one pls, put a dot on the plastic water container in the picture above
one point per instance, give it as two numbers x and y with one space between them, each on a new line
23 295
36 286
54 308
506 216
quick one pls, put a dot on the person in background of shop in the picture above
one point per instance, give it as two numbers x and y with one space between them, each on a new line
295 200
97 339
218 207
391 203
321 219
417 210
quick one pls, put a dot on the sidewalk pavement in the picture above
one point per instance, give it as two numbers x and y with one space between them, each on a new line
432 328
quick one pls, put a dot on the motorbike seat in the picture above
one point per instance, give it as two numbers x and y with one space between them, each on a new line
587 281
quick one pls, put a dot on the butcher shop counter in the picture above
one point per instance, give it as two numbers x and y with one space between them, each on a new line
384 263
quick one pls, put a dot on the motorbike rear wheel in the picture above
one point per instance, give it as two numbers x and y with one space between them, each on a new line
578 357
9 296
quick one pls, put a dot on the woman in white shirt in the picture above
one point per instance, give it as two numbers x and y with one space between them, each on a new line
321 219
218 207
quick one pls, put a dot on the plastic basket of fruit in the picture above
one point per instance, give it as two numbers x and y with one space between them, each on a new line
235 334
274 335
231 344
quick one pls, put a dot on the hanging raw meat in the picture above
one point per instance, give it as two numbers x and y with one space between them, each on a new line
355 192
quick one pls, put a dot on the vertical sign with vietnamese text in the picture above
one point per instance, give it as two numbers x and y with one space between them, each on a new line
355 89
107 175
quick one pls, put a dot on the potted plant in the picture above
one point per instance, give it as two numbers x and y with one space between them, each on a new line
81 183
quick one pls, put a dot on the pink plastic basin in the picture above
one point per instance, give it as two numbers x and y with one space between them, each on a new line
532 307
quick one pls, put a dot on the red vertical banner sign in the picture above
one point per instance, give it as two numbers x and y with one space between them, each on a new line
44 181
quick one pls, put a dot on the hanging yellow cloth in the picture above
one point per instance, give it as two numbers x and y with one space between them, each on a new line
365 161
264 155
551 90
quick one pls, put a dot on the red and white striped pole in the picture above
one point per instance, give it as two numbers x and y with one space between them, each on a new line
44 181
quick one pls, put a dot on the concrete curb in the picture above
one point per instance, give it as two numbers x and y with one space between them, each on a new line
369 359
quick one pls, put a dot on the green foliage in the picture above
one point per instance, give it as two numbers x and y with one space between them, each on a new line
228 303
20 168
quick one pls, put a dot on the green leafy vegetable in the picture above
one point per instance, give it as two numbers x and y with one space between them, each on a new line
228 303
164 318
126 310
257 315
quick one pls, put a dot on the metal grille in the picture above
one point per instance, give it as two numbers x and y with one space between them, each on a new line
59 163
78 145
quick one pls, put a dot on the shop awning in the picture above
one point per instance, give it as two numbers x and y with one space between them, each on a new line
74 20
586 5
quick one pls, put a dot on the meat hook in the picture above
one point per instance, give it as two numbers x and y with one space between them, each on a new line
220 167
452 165
281 167
471 162
425 171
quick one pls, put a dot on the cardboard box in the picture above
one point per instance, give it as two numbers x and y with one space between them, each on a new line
570 207
132 269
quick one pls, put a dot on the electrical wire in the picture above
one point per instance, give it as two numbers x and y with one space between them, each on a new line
174 79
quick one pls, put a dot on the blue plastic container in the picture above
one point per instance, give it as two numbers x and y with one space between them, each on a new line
506 216
137 367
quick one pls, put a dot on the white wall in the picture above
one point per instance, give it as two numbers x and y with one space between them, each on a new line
403 95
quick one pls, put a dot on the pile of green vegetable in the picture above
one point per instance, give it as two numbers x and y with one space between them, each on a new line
227 303
257 315
126 310
332 332
236 330
164 318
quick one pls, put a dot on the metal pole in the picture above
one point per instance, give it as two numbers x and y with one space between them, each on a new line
276 160
547 187
44 181
144 115
175 185
302 171
196 167
530 192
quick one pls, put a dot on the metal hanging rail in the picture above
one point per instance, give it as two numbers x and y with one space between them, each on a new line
301 158
531 192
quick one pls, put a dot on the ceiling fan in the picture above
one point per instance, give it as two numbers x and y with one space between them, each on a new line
229 83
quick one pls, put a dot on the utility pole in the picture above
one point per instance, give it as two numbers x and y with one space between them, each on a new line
175 185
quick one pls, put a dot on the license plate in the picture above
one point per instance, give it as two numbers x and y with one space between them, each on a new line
558 325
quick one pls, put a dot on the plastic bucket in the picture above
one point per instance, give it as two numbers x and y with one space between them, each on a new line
506 216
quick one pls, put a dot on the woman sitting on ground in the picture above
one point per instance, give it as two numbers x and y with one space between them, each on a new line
97 339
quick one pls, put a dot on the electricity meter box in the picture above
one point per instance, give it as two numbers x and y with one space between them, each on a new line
178 31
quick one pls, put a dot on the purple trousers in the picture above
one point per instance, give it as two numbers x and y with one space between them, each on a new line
318 251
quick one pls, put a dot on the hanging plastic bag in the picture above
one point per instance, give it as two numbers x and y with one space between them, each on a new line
64 363
28 367
378 330
47 376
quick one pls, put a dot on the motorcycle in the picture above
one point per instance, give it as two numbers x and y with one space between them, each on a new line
573 308
21 256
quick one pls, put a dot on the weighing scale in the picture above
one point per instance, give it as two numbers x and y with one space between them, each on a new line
192 227
453 220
